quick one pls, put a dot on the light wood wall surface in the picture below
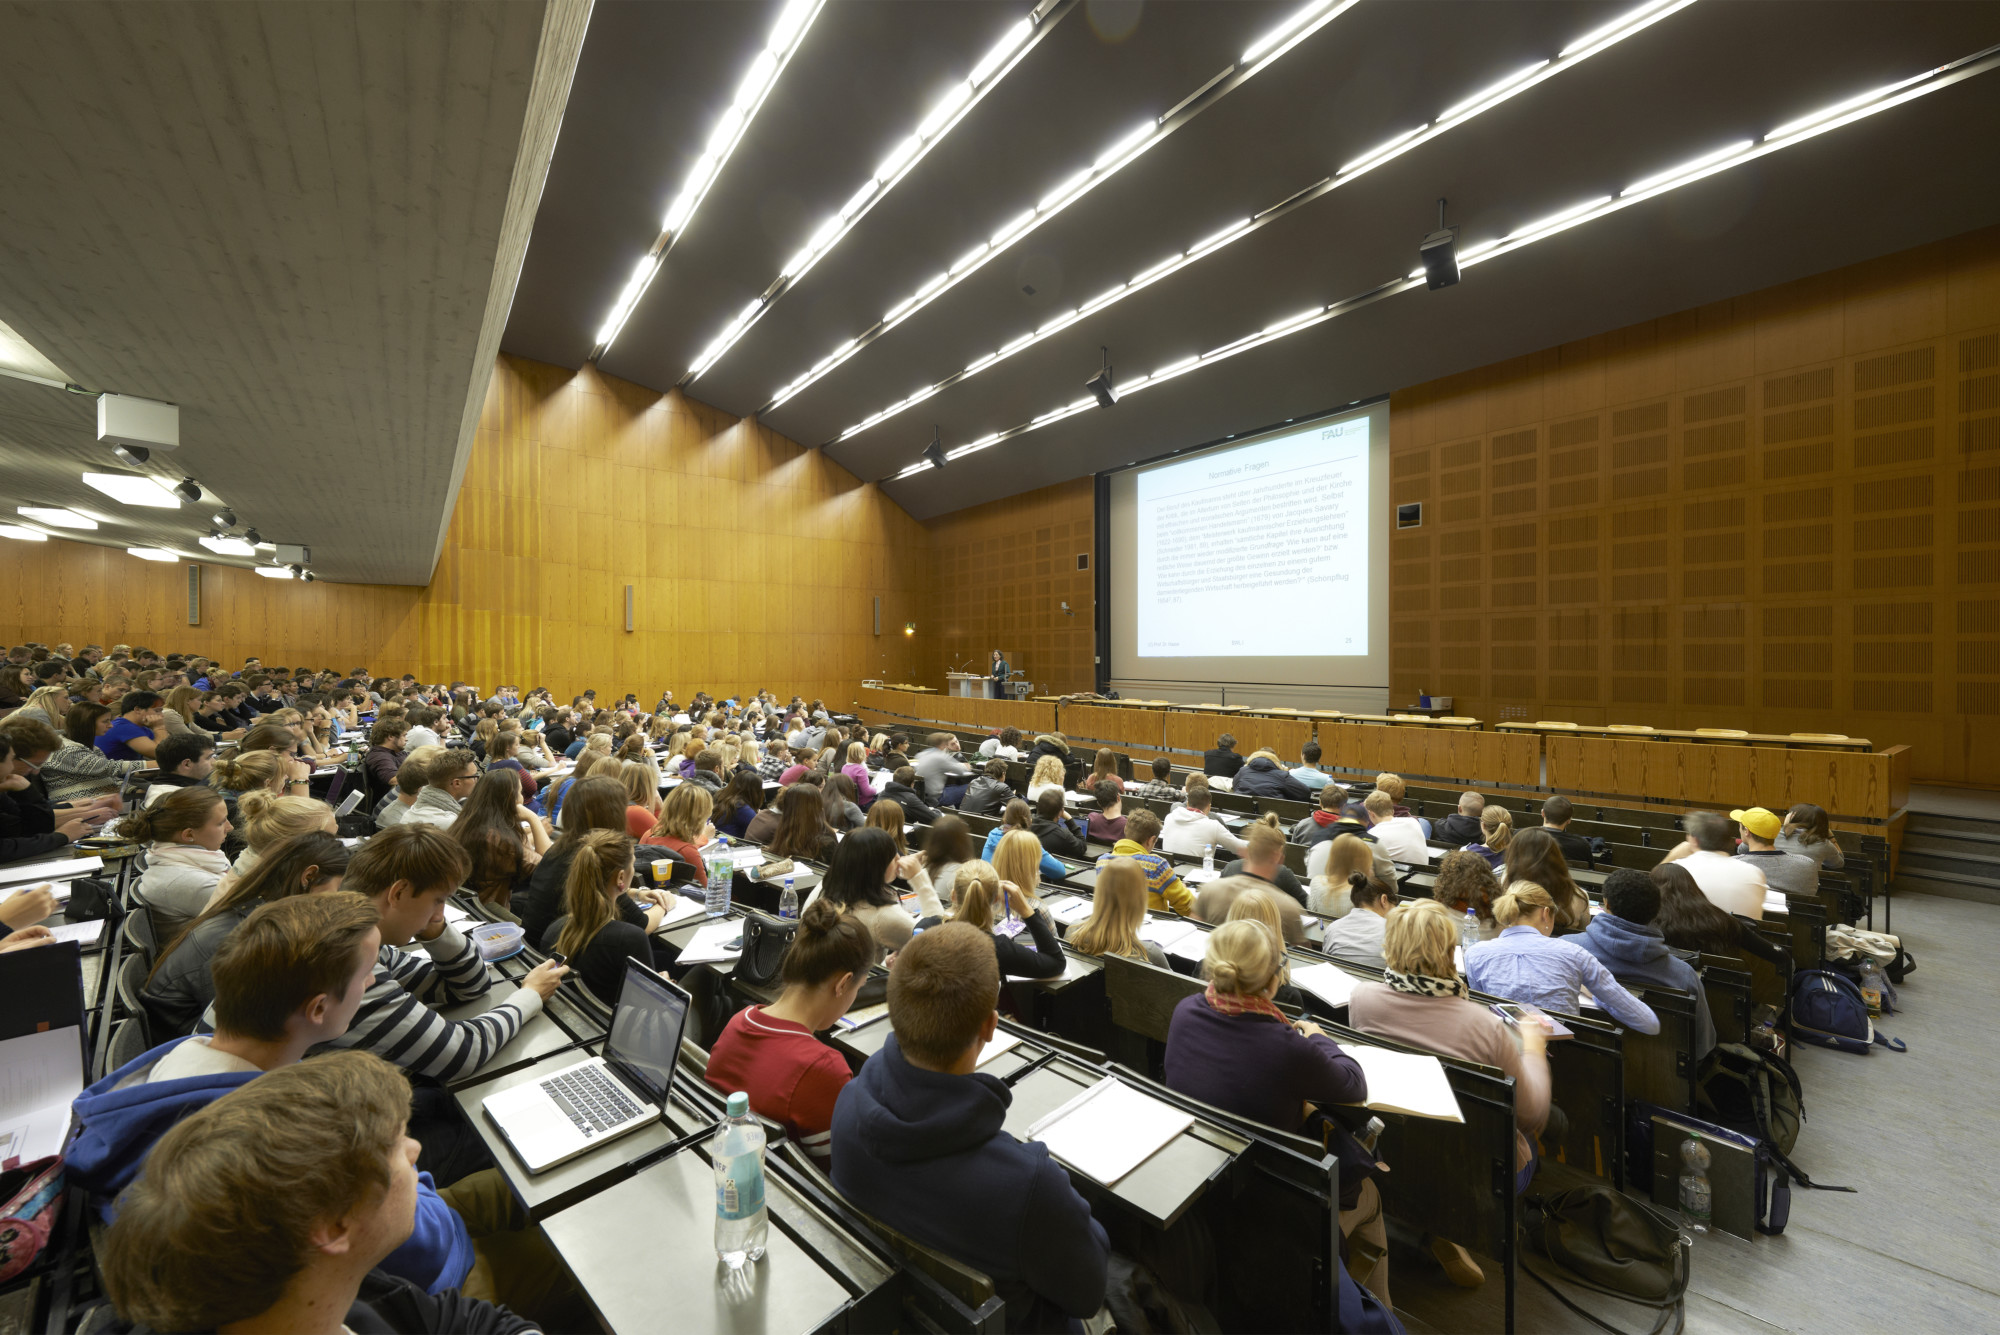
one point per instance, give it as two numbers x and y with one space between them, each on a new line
1778 513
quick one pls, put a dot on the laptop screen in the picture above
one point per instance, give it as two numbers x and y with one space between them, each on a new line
646 1029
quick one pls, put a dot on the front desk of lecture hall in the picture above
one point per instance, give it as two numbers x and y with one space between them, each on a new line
1859 787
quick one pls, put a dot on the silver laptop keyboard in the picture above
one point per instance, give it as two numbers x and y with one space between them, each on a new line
591 1099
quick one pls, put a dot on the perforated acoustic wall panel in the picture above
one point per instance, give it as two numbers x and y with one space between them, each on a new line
1778 513
1000 575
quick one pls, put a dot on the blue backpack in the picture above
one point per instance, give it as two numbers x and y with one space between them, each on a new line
1827 1010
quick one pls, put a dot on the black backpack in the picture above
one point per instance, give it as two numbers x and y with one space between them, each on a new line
1759 1095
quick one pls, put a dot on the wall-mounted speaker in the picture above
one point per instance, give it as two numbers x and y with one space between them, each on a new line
1083 560
1410 516
628 609
194 594
878 614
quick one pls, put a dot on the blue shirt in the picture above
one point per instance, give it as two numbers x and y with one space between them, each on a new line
1052 867
1312 777
121 731
1545 972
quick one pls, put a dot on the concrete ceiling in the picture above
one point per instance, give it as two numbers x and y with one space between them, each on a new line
1700 78
301 222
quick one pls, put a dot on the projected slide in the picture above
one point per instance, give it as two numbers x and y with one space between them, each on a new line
1259 550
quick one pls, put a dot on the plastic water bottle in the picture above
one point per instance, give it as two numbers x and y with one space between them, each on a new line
1208 858
720 872
741 1221
1695 1195
788 901
1468 930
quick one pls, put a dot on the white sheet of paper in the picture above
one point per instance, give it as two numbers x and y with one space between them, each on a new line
1329 982
40 1075
680 910
1002 1041
1109 1129
1406 1082
1193 946
62 869
1166 932
1775 902
711 942
1071 911
83 933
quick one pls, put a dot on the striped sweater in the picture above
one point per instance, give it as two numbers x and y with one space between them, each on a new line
397 1024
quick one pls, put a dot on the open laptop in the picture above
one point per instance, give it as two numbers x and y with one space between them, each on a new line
554 1119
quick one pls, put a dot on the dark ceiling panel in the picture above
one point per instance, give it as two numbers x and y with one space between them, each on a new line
861 80
648 87
1637 264
1073 96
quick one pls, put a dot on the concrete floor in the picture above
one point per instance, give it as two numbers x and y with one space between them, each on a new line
1913 1252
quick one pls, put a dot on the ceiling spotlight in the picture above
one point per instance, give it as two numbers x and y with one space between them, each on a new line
132 454
308 577
189 488
1439 253
1100 384
296 570
251 536
225 518
934 452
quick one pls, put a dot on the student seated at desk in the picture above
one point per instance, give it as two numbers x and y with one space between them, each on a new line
1264 858
1525 963
683 827
1117 911
409 872
503 839
1217 900
737 804
180 986
902 790
1732 884
1103 769
1496 832
1164 890
918 1143
886 815
985 895
293 1237
1401 837
1161 787
1058 833
1805 831
856 769
1232 1047
1357 937
770 1052
1334 863
1107 823
1260 904
1264 775
183 834
988 793
858 881
609 920
1625 941
795 826
642 794
947 845
595 803
1534 856
1464 881
1425 1003
1047 777
1189 830
1688 921
837 794
1018 815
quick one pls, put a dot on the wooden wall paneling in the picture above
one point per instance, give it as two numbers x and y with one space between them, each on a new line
1778 513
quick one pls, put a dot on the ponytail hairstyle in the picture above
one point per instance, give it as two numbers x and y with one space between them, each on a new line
268 818
829 943
1017 815
178 810
304 864
249 771
1519 903
977 894
1243 957
1365 892
601 856
1496 827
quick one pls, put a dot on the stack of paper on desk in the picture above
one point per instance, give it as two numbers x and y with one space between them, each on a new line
1109 1129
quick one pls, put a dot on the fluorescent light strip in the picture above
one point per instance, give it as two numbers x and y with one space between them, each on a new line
1841 114
751 93
22 533
1375 157
57 516
1487 96
1307 21
152 553
134 489
937 122
1685 168
1263 45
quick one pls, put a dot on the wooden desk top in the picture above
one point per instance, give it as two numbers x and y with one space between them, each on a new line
1689 735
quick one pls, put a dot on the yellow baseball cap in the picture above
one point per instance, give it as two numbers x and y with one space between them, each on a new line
1764 824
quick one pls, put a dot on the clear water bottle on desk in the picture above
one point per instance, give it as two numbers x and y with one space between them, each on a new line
1208 859
1696 1198
1468 930
721 871
741 1221
788 900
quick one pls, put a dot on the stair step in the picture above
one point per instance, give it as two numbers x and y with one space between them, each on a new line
1975 866
1951 841
1925 822
1947 885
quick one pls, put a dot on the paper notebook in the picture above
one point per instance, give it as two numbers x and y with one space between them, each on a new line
1070 911
1405 1082
83 933
1109 1129
1167 932
40 1075
62 869
711 943
1329 982
680 910
1002 1041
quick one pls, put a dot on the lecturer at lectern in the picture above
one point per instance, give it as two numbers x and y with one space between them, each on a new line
999 675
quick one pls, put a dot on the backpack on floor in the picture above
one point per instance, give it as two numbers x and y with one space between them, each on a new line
1829 1011
1598 1239
1757 1093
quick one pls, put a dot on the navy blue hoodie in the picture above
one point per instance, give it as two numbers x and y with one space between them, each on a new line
122 1116
924 1153
1637 953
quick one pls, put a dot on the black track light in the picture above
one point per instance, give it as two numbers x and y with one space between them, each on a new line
252 536
934 452
308 576
132 454
225 518
189 489
1439 253
1100 384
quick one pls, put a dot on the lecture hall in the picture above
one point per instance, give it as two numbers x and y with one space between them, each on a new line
776 667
